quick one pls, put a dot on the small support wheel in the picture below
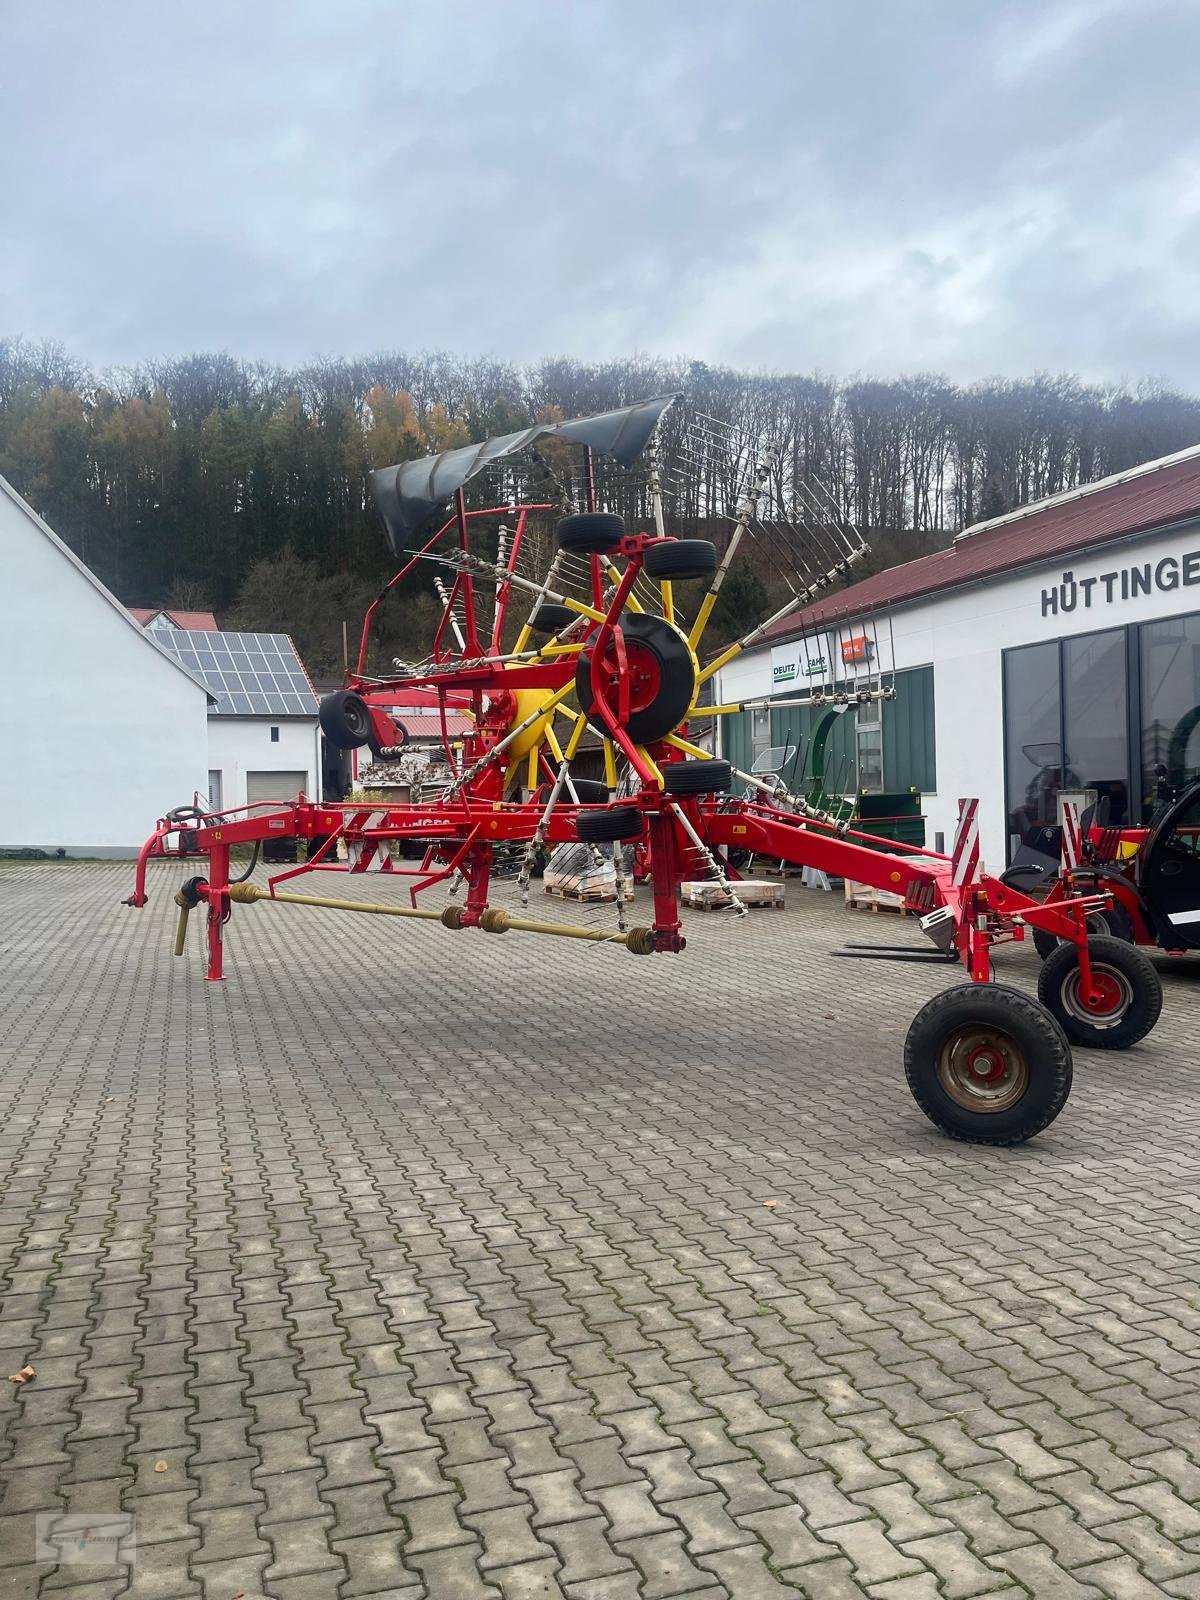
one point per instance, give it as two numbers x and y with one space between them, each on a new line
1125 1000
552 618
612 825
697 777
590 532
987 1063
681 559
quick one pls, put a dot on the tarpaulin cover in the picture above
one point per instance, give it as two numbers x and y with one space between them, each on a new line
409 493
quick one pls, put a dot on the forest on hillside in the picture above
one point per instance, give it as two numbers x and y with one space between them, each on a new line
208 481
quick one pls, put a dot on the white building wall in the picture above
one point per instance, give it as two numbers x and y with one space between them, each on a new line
100 732
963 633
238 745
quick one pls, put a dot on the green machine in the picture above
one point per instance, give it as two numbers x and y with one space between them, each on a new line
889 815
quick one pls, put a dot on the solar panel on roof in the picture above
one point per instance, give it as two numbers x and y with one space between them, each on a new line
249 674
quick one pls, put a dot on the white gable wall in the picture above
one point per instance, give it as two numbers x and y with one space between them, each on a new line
238 745
100 732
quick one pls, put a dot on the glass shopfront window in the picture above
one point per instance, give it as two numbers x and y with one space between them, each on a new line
1096 717
1170 707
1033 757
1067 722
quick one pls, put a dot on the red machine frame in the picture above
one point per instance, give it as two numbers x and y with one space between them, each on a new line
966 911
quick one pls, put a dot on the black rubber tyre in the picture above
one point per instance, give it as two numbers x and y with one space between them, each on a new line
697 777
590 532
345 719
677 677
682 558
987 1064
552 619
610 826
1115 923
590 791
1129 979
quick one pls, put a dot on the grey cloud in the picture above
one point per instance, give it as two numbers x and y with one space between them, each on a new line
859 187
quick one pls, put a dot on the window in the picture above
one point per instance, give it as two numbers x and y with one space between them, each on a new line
1096 718
1066 726
1170 695
1032 738
760 730
274 735
214 790
868 741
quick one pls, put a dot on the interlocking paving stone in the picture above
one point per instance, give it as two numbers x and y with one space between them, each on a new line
416 1297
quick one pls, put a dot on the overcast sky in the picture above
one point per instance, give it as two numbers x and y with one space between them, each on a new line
967 186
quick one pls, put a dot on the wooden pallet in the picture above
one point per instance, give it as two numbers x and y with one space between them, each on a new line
706 895
872 901
598 897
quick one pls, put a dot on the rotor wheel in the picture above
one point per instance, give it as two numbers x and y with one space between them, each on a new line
1126 1000
1114 923
661 674
345 719
697 777
611 825
591 533
591 792
552 618
987 1064
680 560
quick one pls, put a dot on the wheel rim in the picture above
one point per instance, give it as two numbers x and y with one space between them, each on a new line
1111 998
357 720
982 1068
643 672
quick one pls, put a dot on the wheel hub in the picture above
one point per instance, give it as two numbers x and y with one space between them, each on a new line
982 1068
642 674
1105 1003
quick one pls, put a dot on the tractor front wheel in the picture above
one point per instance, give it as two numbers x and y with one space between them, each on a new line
988 1064
1125 1000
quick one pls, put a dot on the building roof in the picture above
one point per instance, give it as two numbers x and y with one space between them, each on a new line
1154 495
247 674
191 621
86 572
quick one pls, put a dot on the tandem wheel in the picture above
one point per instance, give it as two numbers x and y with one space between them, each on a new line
987 1063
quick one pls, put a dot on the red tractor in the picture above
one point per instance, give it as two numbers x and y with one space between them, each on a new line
1151 875
608 640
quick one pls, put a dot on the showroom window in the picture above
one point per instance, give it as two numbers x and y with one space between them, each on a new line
1169 655
1116 711
1096 717
1032 738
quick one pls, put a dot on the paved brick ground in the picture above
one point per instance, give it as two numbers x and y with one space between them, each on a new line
416 1264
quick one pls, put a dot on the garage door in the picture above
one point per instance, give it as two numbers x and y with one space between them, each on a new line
274 785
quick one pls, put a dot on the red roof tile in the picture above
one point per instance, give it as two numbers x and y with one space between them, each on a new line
192 621
1153 496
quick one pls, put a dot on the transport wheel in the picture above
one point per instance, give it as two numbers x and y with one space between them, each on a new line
661 672
590 532
345 720
697 777
610 826
1128 996
988 1064
1116 922
683 558
552 618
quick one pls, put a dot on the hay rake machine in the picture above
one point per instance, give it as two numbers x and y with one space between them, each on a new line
599 627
